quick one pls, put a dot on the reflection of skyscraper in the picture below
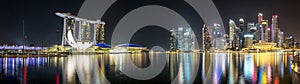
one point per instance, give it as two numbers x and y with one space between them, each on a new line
173 63
206 38
185 38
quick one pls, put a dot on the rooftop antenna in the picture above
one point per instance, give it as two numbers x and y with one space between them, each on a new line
23 36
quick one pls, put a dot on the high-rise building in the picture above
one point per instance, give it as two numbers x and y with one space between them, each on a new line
260 31
234 36
258 34
251 27
280 39
252 30
227 41
266 30
248 40
80 32
206 38
243 31
173 40
289 42
242 25
260 17
217 38
232 33
274 28
185 39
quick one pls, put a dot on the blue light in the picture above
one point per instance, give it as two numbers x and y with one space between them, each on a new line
291 36
104 45
130 45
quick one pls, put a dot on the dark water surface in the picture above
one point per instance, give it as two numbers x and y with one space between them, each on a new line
160 68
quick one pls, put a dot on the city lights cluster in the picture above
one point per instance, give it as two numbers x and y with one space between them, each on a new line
20 48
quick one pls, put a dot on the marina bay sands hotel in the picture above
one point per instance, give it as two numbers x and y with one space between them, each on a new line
82 30
84 34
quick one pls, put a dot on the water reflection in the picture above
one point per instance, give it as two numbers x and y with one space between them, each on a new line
250 68
88 69
30 69
183 67
176 68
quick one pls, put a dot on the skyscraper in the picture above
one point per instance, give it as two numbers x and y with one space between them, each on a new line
185 39
280 39
243 31
234 36
260 31
206 38
252 30
242 25
260 17
217 38
232 33
251 27
173 40
274 28
248 40
266 30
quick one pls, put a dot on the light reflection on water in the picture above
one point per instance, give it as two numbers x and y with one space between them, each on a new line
185 68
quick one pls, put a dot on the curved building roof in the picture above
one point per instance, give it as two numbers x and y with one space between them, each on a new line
103 45
130 45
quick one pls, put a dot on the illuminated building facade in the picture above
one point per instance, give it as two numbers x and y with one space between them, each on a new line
217 38
280 39
173 40
206 38
266 31
260 31
274 28
243 31
260 17
234 37
248 40
185 39
242 25
81 33
252 29
289 42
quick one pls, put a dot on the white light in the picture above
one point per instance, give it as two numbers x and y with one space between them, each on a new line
260 14
241 20
248 35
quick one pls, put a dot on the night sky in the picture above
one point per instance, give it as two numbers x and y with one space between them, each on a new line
41 23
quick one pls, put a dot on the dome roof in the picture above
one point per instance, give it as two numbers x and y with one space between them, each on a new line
130 45
103 45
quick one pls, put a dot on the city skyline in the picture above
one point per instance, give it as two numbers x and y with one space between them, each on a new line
41 26
150 41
